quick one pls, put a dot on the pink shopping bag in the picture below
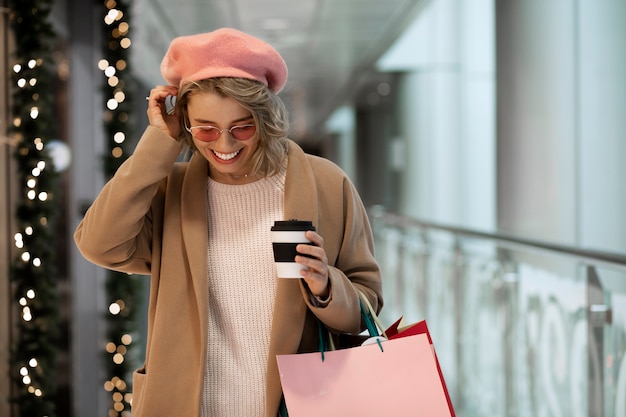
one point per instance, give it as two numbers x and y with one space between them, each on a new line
401 380
396 331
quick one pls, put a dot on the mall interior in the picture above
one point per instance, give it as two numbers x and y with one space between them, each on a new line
485 138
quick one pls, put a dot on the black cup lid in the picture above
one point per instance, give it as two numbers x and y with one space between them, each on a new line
292 225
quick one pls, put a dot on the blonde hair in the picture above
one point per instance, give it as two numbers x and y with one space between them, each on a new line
267 109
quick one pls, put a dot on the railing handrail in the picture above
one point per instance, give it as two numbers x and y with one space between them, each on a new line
586 255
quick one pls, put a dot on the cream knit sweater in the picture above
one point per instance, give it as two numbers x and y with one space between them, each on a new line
242 284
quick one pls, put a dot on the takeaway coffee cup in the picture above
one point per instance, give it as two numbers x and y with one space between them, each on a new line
286 235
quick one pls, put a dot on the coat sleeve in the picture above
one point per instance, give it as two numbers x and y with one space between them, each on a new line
116 231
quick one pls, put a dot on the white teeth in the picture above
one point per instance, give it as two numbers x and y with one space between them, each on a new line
226 156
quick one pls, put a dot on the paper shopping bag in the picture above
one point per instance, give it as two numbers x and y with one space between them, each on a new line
398 330
400 380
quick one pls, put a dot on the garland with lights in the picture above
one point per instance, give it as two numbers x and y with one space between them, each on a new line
121 289
34 272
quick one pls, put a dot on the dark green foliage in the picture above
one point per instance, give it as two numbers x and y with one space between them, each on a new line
119 287
34 274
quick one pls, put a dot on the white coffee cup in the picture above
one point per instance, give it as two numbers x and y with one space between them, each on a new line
286 235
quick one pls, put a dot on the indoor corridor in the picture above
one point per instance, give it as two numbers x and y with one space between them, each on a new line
486 138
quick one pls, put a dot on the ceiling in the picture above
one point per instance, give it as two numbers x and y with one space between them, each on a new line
330 46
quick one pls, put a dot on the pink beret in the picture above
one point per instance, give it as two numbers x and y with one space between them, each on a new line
223 53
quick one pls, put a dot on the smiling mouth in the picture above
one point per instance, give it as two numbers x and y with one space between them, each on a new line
226 156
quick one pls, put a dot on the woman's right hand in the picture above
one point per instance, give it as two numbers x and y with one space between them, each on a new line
157 111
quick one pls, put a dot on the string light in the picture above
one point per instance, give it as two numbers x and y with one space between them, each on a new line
119 137
38 144
112 104
26 379
120 291
32 120
114 308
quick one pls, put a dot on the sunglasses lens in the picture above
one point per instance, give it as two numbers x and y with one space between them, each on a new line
211 133
207 133
243 132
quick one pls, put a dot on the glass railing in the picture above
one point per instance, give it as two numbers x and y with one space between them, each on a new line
521 328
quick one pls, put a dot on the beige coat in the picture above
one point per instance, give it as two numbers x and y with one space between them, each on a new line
151 218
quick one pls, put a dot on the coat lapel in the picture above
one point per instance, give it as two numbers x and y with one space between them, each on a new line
299 203
195 229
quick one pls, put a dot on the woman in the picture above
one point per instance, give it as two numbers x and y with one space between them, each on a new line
218 316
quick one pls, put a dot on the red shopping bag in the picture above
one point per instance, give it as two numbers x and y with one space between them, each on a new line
400 378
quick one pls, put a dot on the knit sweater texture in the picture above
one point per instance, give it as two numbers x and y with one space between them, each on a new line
242 286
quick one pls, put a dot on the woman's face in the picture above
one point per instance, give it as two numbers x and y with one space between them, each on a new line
229 158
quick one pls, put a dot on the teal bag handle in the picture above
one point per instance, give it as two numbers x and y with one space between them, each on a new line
370 324
282 410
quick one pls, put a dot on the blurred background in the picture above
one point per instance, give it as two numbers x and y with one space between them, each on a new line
486 137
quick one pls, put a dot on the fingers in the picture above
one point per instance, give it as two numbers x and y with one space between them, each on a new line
159 99
316 255
315 238
160 93
315 259
315 264
161 110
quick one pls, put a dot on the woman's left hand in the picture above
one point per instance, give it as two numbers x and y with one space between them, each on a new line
316 276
